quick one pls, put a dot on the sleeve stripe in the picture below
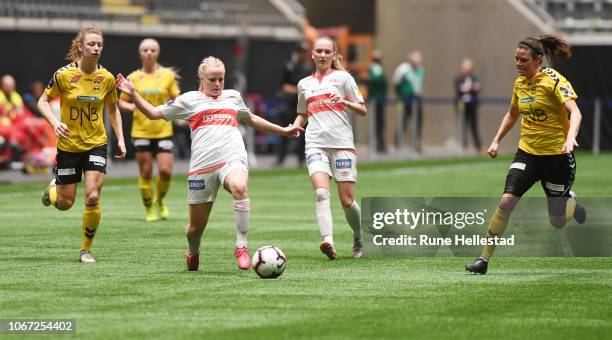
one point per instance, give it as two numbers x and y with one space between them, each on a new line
57 82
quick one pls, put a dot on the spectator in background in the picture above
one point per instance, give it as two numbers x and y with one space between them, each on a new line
10 100
408 82
295 69
12 118
377 92
31 98
467 88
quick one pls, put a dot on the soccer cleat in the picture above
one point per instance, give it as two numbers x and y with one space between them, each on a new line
86 257
46 198
193 261
357 247
162 210
329 250
479 266
243 258
579 211
151 216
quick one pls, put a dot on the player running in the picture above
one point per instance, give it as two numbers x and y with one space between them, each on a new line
324 100
84 87
549 125
218 155
152 138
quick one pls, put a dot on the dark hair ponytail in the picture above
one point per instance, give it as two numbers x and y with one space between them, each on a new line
551 46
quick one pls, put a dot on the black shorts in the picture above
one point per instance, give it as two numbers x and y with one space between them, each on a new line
71 165
153 145
556 174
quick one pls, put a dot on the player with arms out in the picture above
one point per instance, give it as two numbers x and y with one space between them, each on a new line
218 154
84 87
152 138
325 100
550 120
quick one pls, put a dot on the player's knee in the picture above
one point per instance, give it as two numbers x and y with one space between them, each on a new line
165 173
239 191
322 194
64 204
557 221
347 201
194 229
508 202
92 198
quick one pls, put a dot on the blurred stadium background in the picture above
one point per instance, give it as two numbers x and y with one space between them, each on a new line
257 37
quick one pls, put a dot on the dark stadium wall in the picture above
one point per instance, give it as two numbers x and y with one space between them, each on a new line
359 16
446 32
31 56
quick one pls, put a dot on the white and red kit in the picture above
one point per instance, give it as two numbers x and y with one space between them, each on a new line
330 147
215 138
329 124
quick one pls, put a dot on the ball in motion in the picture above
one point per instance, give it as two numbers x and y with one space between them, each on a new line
269 262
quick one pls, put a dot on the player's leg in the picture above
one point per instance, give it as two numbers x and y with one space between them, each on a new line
319 171
92 213
558 176
144 157
61 191
198 219
344 169
235 178
521 176
165 158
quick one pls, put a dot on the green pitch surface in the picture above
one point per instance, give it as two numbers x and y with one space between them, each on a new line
140 288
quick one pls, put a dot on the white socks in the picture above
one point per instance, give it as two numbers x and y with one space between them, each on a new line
241 216
324 217
353 217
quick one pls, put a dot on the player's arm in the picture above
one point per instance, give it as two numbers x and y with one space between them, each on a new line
115 120
127 86
124 105
574 126
358 108
507 123
44 106
301 119
259 123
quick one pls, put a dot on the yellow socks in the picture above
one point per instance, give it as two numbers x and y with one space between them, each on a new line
146 192
497 226
570 208
91 220
162 185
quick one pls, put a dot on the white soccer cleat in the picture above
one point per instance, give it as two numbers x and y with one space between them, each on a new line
86 257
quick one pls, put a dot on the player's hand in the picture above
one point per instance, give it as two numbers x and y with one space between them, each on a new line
61 130
569 145
492 151
292 131
336 98
124 85
121 155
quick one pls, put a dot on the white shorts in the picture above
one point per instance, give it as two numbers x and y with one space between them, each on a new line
339 163
203 187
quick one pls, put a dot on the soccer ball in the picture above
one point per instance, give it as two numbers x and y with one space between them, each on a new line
269 262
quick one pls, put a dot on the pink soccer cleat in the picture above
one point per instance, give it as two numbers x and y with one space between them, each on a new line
243 258
329 250
193 261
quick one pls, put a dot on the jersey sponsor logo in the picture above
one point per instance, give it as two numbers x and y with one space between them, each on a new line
322 102
528 100
99 79
165 144
344 163
313 157
66 172
197 184
566 90
97 160
88 112
213 117
75 79
557 188
151 91
88 98
534 116
345 173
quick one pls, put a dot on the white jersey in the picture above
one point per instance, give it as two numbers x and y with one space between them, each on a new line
329 124
215 138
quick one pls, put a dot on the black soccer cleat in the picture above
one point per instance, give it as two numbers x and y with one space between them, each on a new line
479 266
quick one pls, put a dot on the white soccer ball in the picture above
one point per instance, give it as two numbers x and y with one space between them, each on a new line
269 262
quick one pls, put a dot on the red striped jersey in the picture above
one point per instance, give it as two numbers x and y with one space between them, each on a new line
215 138
329 124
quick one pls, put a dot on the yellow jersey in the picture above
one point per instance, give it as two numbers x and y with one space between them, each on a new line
544 119
156 88
82 98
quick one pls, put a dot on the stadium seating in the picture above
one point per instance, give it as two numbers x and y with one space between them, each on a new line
574 15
